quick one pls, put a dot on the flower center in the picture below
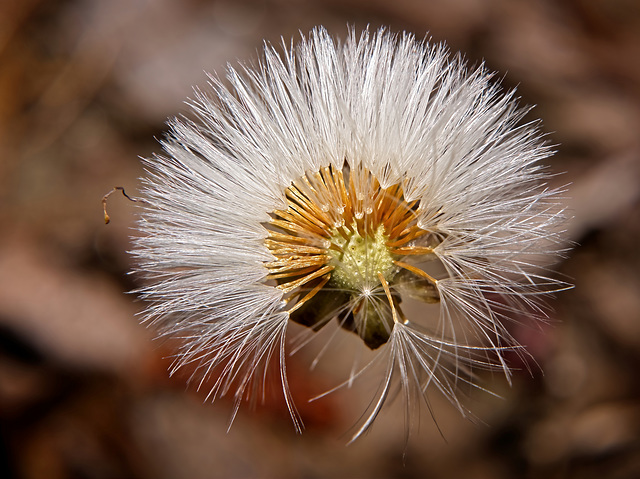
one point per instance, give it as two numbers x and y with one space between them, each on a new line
340 248
359 261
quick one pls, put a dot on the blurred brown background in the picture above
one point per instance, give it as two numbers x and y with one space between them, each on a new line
86 85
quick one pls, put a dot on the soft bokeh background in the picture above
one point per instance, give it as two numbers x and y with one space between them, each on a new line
85 87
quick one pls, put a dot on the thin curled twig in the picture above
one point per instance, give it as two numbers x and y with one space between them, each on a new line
107 218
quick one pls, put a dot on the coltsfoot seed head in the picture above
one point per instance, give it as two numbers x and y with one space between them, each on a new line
331 185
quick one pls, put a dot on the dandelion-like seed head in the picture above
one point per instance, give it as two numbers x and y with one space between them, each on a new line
349 184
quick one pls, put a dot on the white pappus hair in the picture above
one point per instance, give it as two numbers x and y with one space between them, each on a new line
338 182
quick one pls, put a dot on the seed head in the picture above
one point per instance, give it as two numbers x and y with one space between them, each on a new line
334 184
